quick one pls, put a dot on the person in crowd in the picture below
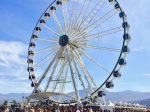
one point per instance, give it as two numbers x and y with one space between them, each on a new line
57 109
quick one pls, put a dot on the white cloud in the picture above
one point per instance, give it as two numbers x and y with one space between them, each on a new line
147 75
12 53
13 73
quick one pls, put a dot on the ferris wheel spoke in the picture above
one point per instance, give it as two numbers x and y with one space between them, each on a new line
88 78
101 20
66 74
82 13
87 72
65 79
65 16
63 85
59 76
64 19
73 77
95 62
96 24
48 40
101 48
80 78
58 23
70 19
104 33
45 59
100 34
51 30
85 75
98 7
91 15
76 22
49 48
66 11
51 75
47 70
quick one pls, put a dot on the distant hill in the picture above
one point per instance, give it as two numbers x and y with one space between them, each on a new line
145 102
125 96
12 96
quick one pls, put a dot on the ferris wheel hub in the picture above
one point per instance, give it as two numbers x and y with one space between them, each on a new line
63 40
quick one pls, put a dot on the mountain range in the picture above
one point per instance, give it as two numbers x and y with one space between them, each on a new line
128 96
124 96
145 102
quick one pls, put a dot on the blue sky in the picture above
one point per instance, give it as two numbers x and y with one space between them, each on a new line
17 21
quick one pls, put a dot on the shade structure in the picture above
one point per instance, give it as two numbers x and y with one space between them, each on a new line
43 95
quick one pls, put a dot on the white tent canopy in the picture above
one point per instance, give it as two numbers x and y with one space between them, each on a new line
45 95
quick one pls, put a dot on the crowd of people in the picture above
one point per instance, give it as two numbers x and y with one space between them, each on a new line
61 109
51 109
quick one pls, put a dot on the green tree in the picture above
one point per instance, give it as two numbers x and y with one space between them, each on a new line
14 102
5 102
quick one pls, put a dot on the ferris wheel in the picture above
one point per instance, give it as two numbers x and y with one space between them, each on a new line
77 49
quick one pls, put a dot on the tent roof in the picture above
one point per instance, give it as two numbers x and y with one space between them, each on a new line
44 95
